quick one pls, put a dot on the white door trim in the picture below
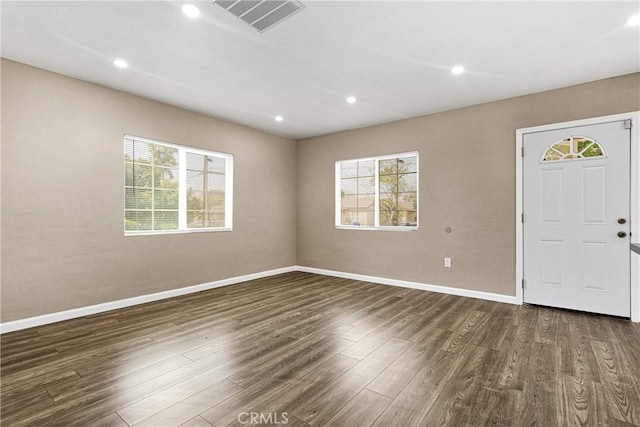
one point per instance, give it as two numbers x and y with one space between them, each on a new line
635 197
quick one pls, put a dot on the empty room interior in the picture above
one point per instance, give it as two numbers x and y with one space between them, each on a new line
320 213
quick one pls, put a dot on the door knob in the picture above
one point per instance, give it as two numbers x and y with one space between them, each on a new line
622 234
622 221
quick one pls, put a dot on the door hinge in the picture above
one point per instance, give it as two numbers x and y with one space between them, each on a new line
522 218
627 124
523 282
522 151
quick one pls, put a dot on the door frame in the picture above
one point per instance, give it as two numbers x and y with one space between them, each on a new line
634 219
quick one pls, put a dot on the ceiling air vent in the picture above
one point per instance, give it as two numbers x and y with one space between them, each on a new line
261 14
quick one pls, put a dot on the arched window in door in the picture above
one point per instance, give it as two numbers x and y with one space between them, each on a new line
573 147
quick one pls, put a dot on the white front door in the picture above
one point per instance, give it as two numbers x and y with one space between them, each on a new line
576 218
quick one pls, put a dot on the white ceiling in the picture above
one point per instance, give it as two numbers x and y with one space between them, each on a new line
395 57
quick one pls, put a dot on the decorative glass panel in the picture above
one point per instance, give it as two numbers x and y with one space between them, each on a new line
574 147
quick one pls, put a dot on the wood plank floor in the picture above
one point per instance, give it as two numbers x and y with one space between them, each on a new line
311 350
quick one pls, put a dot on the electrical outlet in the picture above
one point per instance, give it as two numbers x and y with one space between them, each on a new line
447 262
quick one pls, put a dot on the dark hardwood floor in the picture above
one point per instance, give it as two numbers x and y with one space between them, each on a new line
313 350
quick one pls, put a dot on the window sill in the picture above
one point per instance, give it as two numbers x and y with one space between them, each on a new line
165 232
398 228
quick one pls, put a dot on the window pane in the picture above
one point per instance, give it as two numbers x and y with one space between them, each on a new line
195 219
358 217
349 186
128 150
594 150
138 220
195 180
407 182
195 162
215 182
580 143
366 218
407 218
165 156
366 202
366 168
137 198
215 219
195 200
552 154
165 199
407 209
130 220
217 165
408 201
388 218
389 184
165 220
128 174
138 151
130 201
215 202
563 146
164 177
408 164
366 185
144 220
141 175
348 169
388 209
388 167
349 202
349 216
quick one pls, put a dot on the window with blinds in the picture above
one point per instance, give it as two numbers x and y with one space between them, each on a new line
171 188
378 192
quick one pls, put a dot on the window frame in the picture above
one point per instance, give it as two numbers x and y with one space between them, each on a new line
376 226
182 189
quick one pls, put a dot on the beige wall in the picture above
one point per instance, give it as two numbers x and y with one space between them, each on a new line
62 193
467 182
62 197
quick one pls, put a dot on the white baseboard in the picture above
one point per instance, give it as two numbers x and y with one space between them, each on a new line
45 319
414 285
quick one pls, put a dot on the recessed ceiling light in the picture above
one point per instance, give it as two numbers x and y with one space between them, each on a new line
351 100
120 63
190 10
458 69
634 21
279 118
